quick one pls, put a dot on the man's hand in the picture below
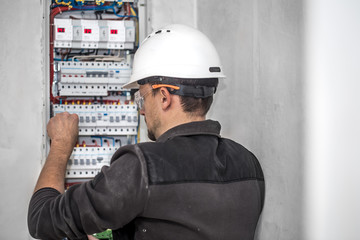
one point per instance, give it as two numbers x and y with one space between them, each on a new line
63 132
91 237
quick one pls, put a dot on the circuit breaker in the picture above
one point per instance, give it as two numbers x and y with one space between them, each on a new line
92 44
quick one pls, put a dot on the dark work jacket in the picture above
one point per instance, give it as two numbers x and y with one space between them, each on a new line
189 184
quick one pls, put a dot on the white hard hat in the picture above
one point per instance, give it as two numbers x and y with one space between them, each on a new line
176 51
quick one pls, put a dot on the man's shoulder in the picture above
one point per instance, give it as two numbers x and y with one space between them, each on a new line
127 150
235 146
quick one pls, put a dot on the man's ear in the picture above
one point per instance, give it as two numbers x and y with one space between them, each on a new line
165 98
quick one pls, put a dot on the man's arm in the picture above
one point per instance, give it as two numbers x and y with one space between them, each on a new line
63 132
110 201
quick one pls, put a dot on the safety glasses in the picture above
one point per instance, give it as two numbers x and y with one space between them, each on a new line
139 100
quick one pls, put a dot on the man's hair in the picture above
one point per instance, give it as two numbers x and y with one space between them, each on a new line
196 106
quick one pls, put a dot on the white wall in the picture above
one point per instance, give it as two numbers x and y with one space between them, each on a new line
333 119
21 105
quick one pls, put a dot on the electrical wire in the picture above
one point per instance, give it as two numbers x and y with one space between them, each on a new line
131 14
59 59
123 16
113 139
97 58
133 11
107 142
81 5
101 141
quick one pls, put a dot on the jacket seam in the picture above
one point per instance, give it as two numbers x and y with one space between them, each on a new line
205 181
144 170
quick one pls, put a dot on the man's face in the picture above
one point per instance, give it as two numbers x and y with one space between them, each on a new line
150 111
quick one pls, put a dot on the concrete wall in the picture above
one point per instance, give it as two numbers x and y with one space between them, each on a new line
260 102
21 115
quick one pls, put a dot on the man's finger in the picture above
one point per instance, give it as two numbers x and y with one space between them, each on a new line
74 116
64 113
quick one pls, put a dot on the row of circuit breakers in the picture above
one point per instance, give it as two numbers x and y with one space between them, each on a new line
90 78
100 34
92 60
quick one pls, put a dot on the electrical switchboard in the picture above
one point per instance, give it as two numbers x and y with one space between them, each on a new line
92 44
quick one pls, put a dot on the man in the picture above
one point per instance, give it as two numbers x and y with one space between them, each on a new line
188 184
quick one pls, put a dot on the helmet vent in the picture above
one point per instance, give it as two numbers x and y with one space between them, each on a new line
160 31
214 69
157 32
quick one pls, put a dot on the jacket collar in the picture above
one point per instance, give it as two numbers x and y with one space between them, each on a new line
207 127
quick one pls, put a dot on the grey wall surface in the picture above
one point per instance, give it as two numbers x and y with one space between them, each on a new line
164 12
260 102
21 119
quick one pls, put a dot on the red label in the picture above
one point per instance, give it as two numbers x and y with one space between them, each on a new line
87 30
62 30
113 31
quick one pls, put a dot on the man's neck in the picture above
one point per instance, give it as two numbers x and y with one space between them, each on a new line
176 121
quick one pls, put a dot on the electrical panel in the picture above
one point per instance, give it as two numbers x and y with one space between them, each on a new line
92 44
